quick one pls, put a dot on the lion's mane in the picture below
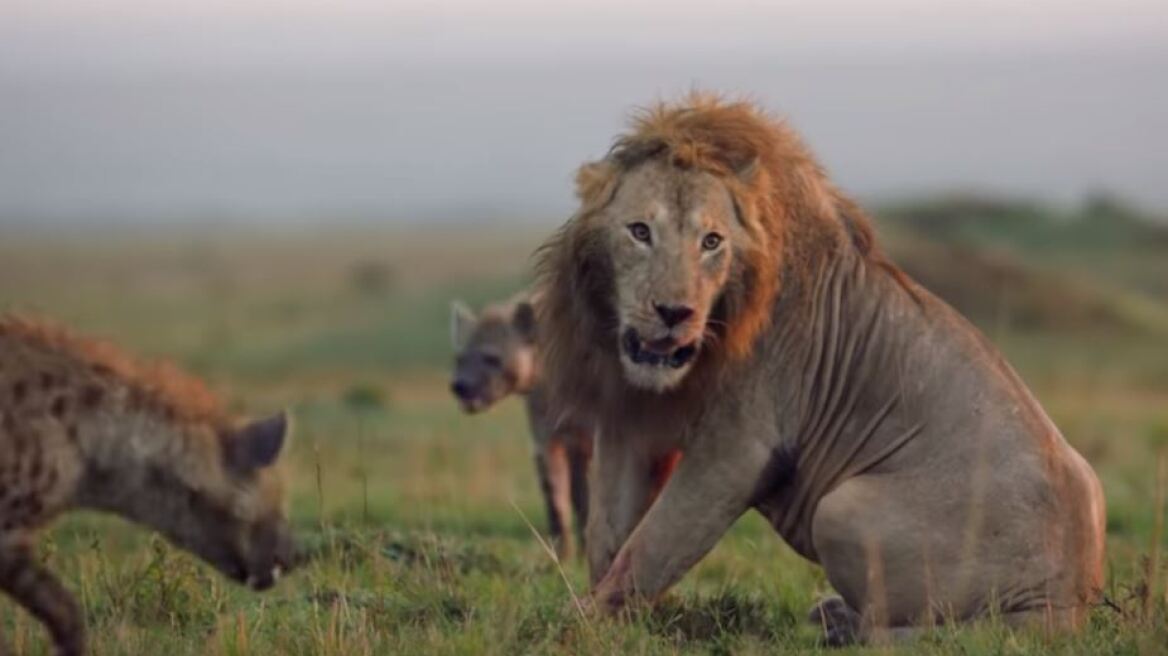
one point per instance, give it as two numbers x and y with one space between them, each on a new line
782 195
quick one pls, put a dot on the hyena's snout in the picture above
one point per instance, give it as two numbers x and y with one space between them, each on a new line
462 389
273 553
474 390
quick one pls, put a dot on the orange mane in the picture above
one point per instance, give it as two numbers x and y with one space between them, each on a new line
160 384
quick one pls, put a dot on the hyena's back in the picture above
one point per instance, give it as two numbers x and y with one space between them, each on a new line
42 392
40 397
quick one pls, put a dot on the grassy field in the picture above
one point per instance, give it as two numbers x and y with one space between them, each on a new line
419 520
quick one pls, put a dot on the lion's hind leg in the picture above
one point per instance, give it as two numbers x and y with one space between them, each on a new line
839 622
907 562
842 625
1046 620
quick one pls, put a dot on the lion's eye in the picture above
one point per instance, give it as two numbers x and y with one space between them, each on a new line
711 241
640 232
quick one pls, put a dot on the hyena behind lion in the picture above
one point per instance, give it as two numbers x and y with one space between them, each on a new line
497 356
84 427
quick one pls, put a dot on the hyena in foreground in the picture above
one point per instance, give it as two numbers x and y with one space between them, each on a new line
497 357
82 426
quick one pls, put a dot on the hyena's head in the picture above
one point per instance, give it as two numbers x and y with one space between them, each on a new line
495 352
225 501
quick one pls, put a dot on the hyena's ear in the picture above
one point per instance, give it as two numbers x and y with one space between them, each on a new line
523 320
257 444
462 322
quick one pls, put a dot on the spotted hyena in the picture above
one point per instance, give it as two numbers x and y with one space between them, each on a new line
83 426
497 357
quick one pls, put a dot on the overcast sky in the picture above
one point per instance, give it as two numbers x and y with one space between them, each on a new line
295 108
137 35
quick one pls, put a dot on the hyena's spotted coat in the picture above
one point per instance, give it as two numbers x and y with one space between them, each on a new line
82 426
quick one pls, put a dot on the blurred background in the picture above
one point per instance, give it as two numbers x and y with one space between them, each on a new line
467 110
225 167
284 195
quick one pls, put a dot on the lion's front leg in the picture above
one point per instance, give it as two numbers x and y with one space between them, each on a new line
625 480
704 497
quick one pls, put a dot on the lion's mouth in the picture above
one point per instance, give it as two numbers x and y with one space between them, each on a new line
665 352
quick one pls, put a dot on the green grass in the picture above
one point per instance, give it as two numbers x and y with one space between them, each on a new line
419 520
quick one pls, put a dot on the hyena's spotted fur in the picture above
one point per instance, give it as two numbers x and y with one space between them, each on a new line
82 426
497 357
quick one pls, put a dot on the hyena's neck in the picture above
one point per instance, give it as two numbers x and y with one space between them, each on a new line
527 385
527 376
129 462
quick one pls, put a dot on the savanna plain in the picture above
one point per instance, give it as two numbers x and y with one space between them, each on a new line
419 526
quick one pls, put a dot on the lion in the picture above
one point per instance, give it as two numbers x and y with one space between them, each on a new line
716 295
497 357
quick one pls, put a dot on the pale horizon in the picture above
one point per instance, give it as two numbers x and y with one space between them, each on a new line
293 110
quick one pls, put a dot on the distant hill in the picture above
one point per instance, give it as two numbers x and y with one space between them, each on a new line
1020 265
1103 238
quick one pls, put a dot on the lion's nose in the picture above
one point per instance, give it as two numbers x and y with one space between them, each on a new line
673 314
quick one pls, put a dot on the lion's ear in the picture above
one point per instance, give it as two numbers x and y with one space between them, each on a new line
462 323
595 181
523 321
746 168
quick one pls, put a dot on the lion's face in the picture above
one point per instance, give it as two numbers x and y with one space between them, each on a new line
672 236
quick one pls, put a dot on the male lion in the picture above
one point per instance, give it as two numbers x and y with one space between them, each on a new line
497 357
716 295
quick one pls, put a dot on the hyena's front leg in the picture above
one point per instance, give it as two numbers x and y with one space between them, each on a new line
579 459
625 480
35 588
555 479
710 489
